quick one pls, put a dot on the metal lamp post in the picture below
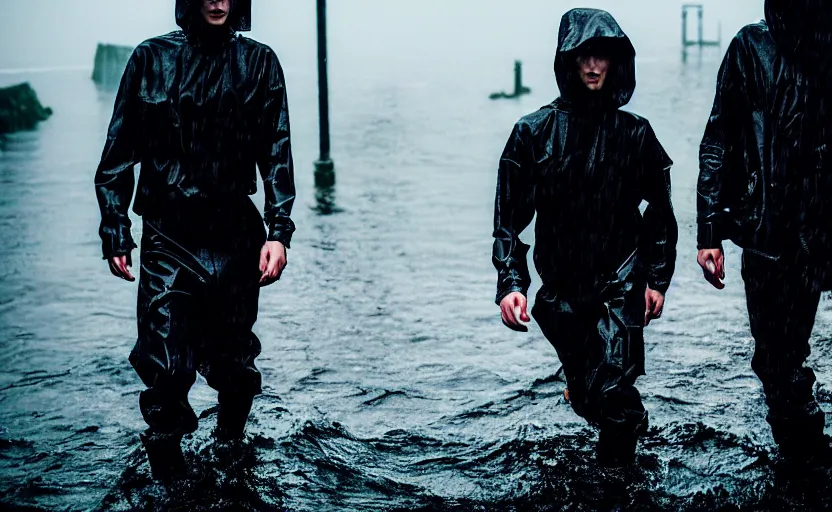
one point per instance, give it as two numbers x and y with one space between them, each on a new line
324 168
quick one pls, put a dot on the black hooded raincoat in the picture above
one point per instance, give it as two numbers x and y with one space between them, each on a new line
765 183
584 167
200 109
765 159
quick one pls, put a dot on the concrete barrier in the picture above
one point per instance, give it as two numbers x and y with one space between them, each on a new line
110 61
20 109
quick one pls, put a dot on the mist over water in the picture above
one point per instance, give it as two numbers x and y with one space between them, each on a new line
390 382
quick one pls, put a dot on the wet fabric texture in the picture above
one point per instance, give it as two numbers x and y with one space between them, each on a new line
199 109
765 179
599 341
765 183
585 167
197 305
781 337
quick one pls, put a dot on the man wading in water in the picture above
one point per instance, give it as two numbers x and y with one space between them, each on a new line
765 183
198 109
585 167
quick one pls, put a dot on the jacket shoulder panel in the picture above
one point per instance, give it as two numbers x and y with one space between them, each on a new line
170 40
159 48
632 118
754 32
634 123
644 137
535 121
756 39
256 47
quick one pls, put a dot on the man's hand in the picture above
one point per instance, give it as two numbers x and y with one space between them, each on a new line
712 262
120 267
654 302
272 262
508 305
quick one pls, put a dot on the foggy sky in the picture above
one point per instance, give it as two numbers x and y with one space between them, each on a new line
53 33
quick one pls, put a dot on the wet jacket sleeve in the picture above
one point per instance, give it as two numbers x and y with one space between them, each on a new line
660 229
513 212
274 157
114 178
717 165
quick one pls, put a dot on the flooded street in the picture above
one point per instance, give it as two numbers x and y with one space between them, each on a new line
389 380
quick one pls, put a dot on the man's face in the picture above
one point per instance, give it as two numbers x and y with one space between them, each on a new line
593 71
216 12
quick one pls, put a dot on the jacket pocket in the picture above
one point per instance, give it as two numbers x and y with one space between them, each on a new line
160 124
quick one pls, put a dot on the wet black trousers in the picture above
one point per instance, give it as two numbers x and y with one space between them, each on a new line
600 343
197 304
782 302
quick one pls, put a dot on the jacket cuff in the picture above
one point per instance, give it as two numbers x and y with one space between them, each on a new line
115 245
503 292
281 233
659 285
708 236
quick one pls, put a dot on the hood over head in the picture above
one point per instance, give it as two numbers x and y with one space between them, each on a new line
594 31
802 30
189 16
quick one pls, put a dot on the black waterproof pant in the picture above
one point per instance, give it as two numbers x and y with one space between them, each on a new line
599 339
197 303
782 300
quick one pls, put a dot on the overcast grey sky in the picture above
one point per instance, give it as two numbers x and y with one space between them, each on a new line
44 33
